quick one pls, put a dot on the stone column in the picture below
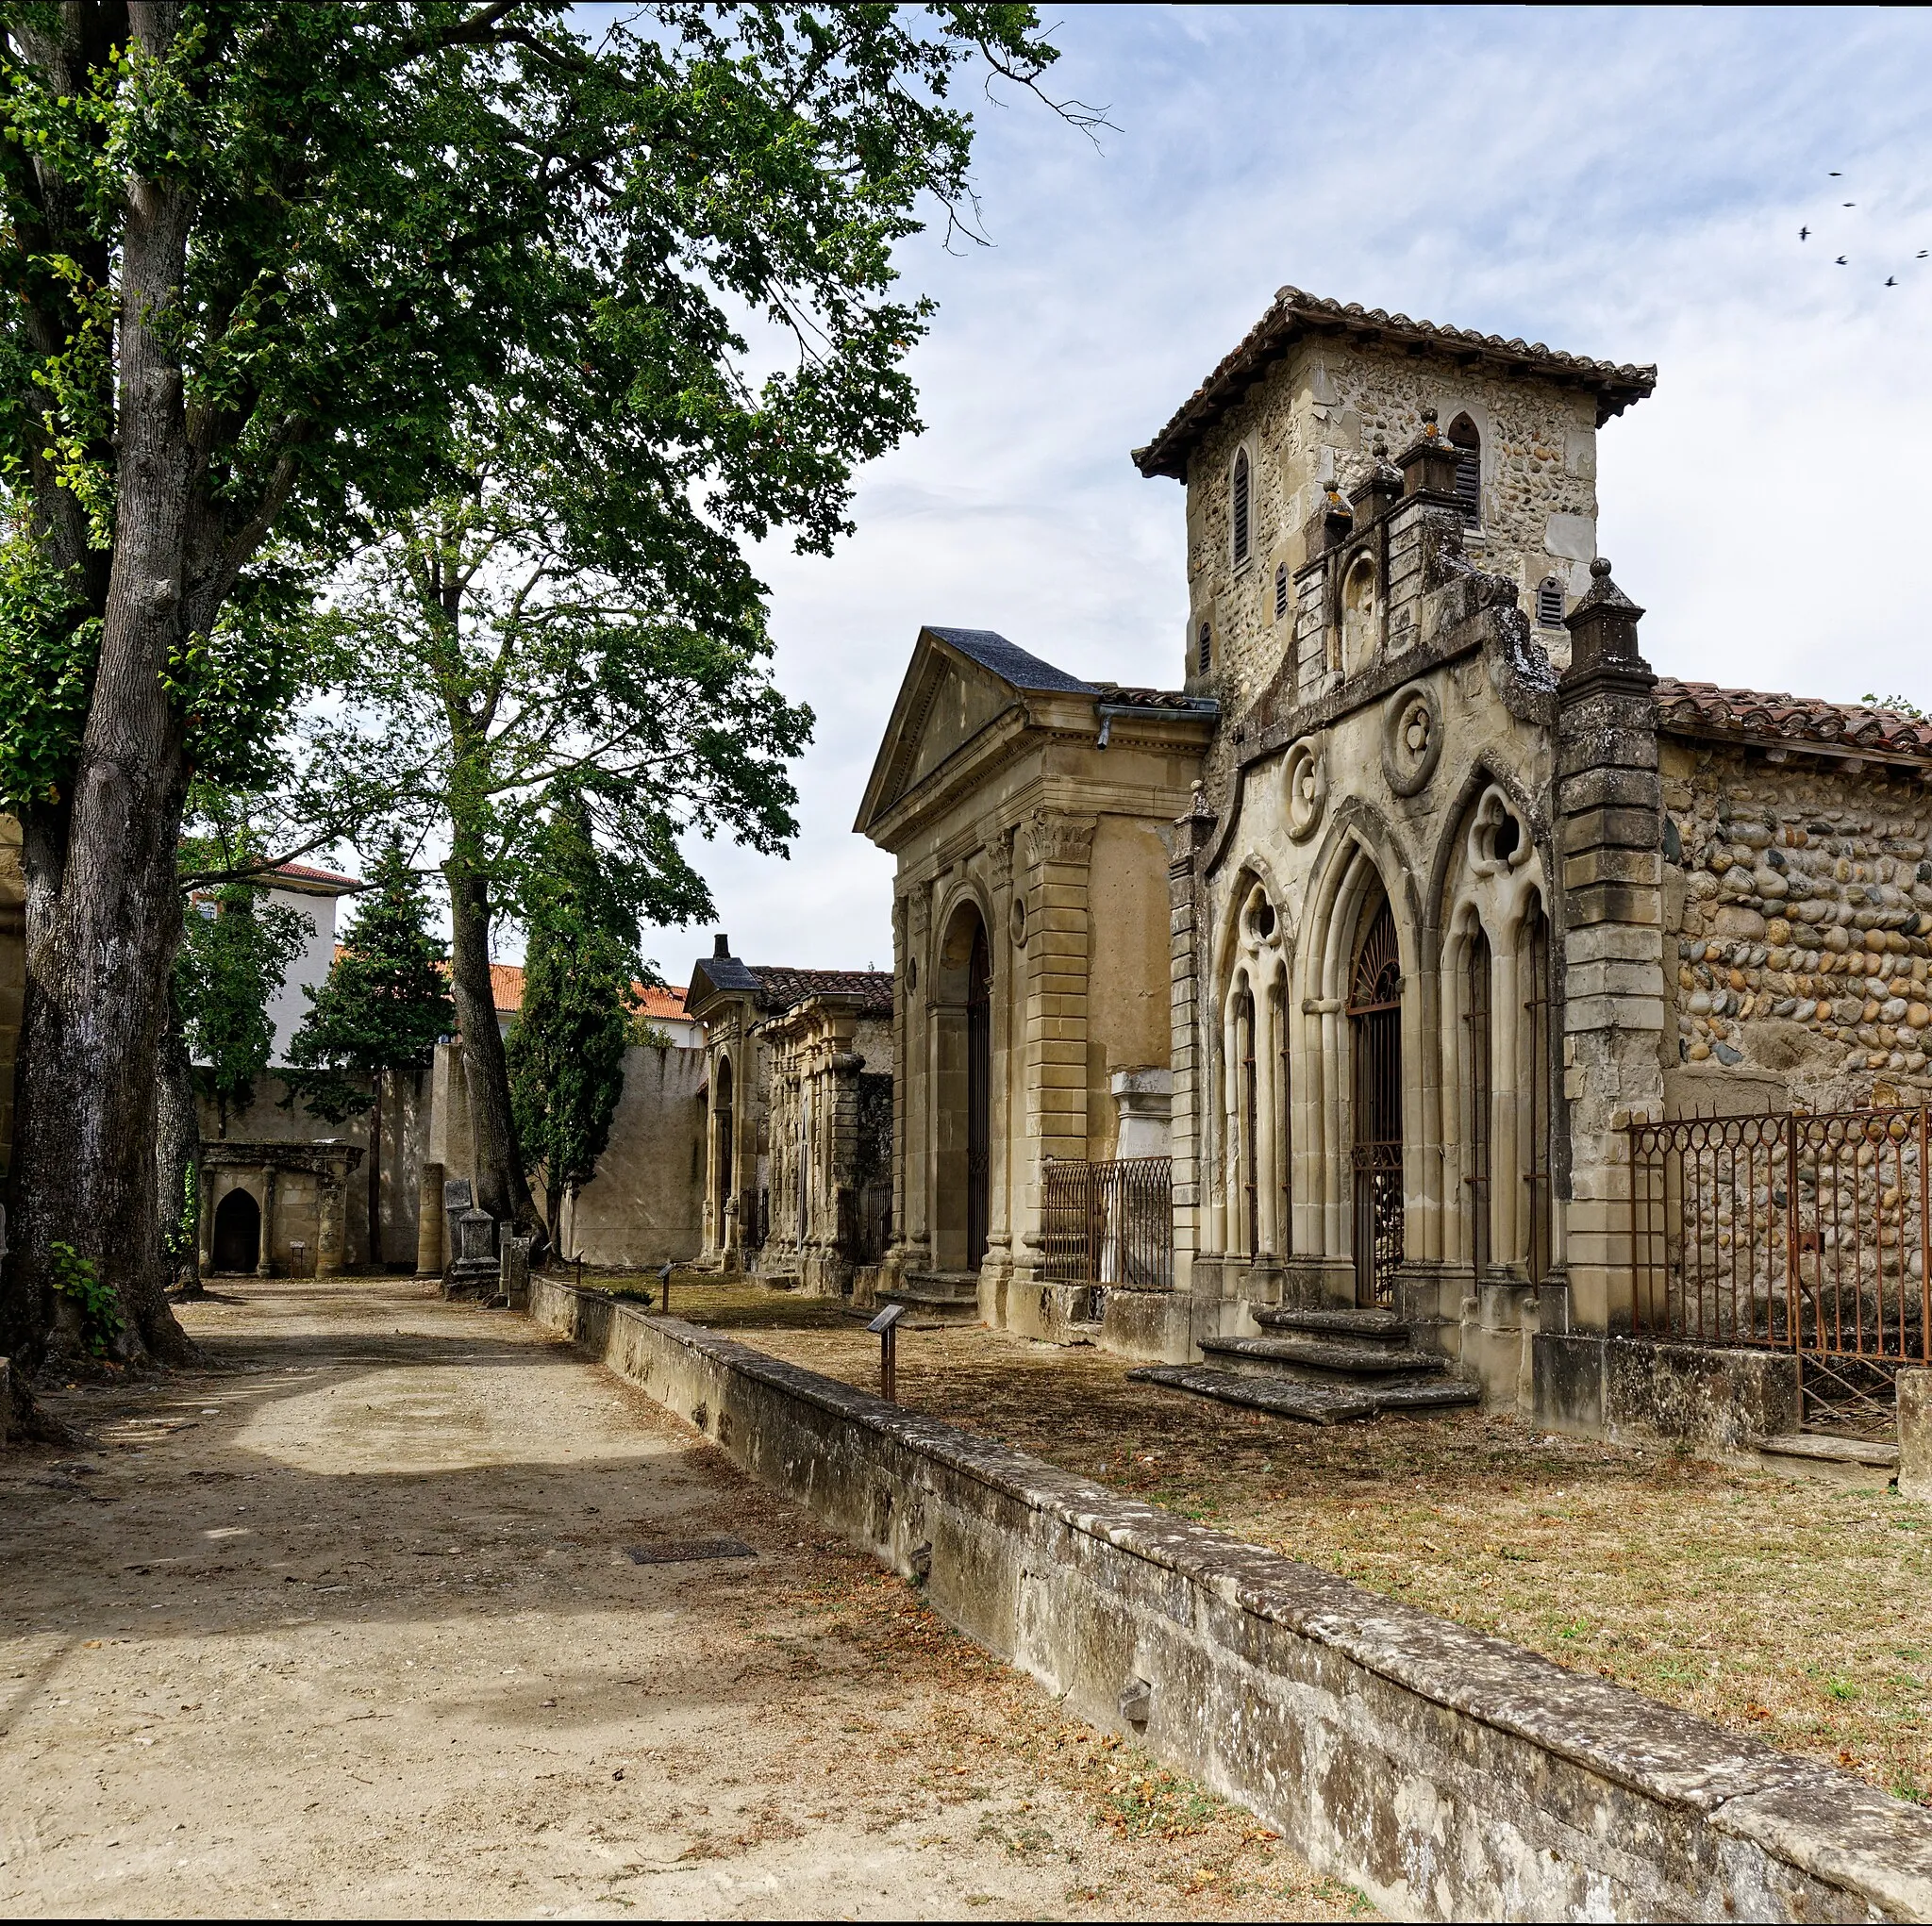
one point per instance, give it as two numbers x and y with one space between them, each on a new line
331 1233
1187 990
429 1222
264 1263
1609 808
915 1056
1058 852
1007 960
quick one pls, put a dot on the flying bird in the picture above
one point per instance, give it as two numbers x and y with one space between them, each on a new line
1836 175
1922 254
1804 234
1840 260
1891 281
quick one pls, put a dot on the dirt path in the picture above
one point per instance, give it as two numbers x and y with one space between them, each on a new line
347 1625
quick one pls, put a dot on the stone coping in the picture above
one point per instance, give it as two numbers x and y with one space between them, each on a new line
1822 1820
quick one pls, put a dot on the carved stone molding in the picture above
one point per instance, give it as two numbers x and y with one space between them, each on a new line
1305 788
1412 739
999 862
1053 837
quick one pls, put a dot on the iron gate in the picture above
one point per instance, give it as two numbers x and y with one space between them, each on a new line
1109 1223
1807 1232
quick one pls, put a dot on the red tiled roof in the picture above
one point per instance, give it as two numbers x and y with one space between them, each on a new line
1294 315
655 1002
305 873
1702 708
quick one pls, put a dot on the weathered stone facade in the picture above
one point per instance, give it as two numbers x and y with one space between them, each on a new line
1030 813
787 1164
1457 891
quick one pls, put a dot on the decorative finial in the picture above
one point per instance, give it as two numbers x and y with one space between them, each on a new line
1428 424
1380 449
1600 568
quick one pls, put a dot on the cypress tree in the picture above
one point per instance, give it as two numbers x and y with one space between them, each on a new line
382 1009
580 971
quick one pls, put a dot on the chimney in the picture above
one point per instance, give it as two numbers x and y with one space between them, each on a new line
721 945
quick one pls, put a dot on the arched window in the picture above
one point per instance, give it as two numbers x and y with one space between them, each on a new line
1237 509
1205 650
1468 445
1280 591
1549 603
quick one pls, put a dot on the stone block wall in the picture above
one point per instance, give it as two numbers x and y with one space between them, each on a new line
1317 417
1800 912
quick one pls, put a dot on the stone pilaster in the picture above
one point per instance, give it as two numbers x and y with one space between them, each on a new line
1609 811
1058 849
1187 996
1005 958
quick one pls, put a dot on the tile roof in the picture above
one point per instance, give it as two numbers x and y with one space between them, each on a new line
781 986
654 1002
1010 662
299 875
1294 315
1702 708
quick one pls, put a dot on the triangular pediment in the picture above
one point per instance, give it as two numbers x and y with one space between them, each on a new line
959 683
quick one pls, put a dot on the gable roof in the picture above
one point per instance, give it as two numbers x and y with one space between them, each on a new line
1294 316
1007 675
1747 715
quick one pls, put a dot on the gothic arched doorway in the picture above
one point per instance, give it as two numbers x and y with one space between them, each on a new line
238 1233
724 1175
1374 1021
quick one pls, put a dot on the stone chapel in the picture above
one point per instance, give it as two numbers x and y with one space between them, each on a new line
1366 1020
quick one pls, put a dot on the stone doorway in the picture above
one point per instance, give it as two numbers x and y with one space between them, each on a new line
978 1097
1374 1021
238 1233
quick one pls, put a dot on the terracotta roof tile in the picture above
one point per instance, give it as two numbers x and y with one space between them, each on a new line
782 987
655 1002
1294 315
1702 708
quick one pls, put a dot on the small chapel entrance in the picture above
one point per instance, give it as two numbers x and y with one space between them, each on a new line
238 1233
1375 1022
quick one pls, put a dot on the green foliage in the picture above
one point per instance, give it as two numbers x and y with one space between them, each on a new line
182 1239
1898 704
234 948
385 1002
566 1053
100 1309
394 207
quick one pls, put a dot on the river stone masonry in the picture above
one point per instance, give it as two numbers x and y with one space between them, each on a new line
1804 925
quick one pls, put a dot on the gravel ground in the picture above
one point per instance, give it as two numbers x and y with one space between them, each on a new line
346 1624
1800 1611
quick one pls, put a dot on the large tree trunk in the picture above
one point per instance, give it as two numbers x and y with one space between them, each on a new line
103 909
178 1162
502 1187
375 1170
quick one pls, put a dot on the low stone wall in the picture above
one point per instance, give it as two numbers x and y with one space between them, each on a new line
1725 1400
1445 1773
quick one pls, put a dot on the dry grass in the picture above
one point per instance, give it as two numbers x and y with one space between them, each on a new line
1800 1612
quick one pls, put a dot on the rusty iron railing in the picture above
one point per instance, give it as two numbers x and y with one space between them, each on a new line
1807 1232
1110 1223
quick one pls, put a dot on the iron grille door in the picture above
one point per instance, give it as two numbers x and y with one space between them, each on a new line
978 1099
1374 1011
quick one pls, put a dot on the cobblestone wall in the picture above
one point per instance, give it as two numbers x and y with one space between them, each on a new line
1805 921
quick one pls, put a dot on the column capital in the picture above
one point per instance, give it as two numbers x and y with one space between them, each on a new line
1054 835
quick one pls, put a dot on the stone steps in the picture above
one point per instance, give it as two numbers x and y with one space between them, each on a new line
937 1297
1324 1358
1365 1327
1816 1454
1335 1402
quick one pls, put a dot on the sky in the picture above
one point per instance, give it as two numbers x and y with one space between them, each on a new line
1627 185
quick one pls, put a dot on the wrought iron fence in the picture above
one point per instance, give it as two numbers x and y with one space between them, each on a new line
1110 1223
1809 1232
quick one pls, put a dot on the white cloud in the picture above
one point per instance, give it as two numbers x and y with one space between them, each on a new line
1625 184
